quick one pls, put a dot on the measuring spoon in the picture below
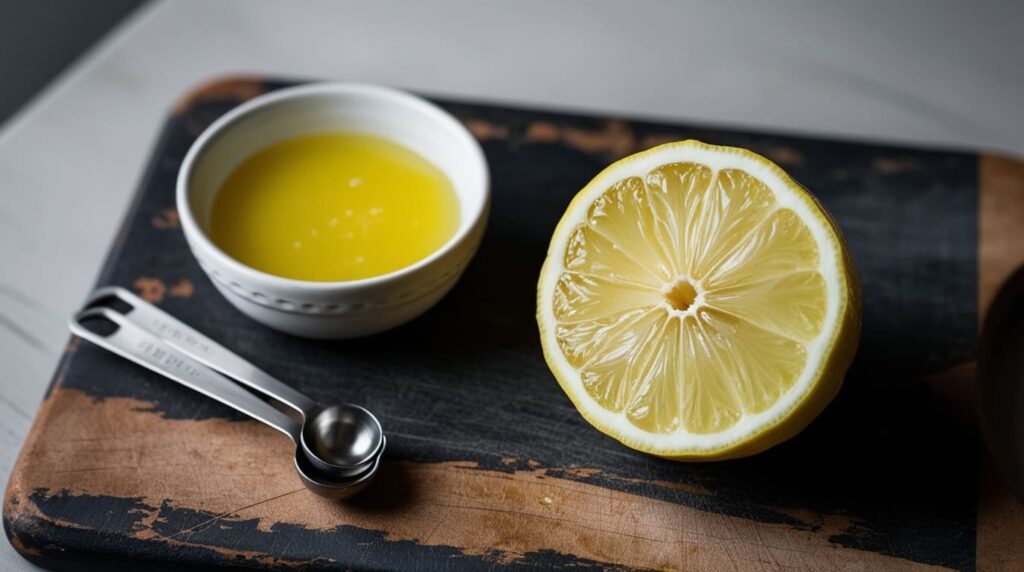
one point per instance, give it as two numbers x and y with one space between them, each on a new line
338 439
112 331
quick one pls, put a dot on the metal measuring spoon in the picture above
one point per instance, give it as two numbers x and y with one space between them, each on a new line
114 332
342 440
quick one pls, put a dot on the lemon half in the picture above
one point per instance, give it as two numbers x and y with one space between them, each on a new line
697 303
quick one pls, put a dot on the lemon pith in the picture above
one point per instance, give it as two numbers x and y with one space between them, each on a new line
697 303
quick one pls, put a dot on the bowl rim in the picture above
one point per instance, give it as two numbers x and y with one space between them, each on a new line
193 231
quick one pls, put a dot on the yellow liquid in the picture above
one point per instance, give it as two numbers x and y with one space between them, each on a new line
333 206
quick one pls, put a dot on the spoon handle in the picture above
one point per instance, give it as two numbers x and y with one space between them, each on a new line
134 343
190 342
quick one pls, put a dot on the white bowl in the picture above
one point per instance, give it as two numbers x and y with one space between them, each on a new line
335 309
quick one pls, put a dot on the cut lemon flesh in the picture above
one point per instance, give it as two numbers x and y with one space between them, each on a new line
697 303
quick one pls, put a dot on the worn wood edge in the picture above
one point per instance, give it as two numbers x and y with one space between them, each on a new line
9 502
1000 253
240 471
10 526
113 254
233 86
1001 228
1000 516
611 140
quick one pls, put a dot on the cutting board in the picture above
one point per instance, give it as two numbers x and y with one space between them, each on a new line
487 462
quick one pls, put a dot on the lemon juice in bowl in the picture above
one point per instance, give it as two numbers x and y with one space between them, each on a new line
333 206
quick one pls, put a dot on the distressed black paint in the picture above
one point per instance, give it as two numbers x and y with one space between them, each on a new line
85 528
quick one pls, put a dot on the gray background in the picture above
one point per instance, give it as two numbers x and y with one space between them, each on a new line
40 38
925 72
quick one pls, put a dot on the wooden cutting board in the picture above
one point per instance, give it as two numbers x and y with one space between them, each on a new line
488 463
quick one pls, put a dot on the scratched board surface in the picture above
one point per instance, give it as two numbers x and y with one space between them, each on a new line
487 462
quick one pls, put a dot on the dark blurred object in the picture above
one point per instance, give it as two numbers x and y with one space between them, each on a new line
1001 377
40 38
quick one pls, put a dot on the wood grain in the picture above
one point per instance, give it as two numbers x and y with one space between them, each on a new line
239 471
1001 237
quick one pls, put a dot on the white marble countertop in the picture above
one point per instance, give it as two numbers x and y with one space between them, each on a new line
936 73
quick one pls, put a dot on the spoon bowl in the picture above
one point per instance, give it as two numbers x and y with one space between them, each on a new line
341 438
330 486
337 447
